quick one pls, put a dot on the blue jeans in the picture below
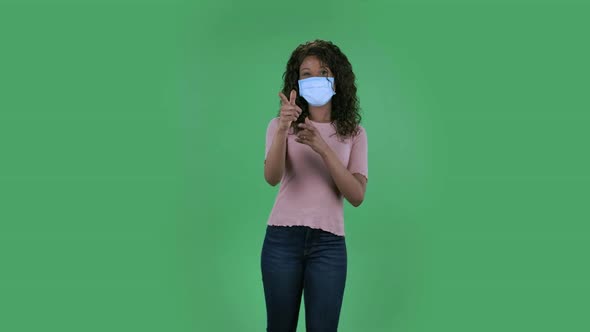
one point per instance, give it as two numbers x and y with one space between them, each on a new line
298 258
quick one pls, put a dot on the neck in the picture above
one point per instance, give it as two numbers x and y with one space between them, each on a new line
321 113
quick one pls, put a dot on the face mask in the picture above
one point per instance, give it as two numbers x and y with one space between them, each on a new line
317 90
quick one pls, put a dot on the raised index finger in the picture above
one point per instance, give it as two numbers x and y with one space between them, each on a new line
309 125
293 96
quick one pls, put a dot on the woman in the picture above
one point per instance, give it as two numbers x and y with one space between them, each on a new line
317 150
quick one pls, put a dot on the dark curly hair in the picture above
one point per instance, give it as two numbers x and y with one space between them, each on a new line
345 103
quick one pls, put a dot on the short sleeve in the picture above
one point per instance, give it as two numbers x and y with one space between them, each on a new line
358 162
271 130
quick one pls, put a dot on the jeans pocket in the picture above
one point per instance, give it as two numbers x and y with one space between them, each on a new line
278 233
328 237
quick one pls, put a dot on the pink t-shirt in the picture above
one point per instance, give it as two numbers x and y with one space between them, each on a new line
308 195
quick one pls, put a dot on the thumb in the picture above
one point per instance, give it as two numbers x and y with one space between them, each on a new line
309 123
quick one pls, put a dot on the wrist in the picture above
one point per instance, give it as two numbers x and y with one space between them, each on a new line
281 130
325 152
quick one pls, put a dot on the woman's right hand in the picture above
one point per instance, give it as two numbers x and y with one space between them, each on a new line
289 110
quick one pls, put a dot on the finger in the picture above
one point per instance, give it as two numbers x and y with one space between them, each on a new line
288 110
302 139
293 96
293 111
304 126
305 133
290 118
289 114
284 99
310 125
296 110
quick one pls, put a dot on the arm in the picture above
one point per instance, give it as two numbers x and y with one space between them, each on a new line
351 180
276 138
352 186
274 164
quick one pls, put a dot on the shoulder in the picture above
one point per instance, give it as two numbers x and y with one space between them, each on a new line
360 134
273 122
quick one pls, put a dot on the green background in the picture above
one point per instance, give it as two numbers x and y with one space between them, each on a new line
132 195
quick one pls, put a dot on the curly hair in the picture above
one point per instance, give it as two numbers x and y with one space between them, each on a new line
345 103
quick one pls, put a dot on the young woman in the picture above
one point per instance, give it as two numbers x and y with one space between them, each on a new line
317 150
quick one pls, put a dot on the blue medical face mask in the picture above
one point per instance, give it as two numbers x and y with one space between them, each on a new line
317 90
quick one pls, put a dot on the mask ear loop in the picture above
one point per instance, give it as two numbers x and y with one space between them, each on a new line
331 86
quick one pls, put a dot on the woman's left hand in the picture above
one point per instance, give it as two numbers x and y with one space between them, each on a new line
311 136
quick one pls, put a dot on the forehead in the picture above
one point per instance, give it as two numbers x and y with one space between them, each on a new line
311 62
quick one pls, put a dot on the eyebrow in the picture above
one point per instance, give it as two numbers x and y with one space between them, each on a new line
320 68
